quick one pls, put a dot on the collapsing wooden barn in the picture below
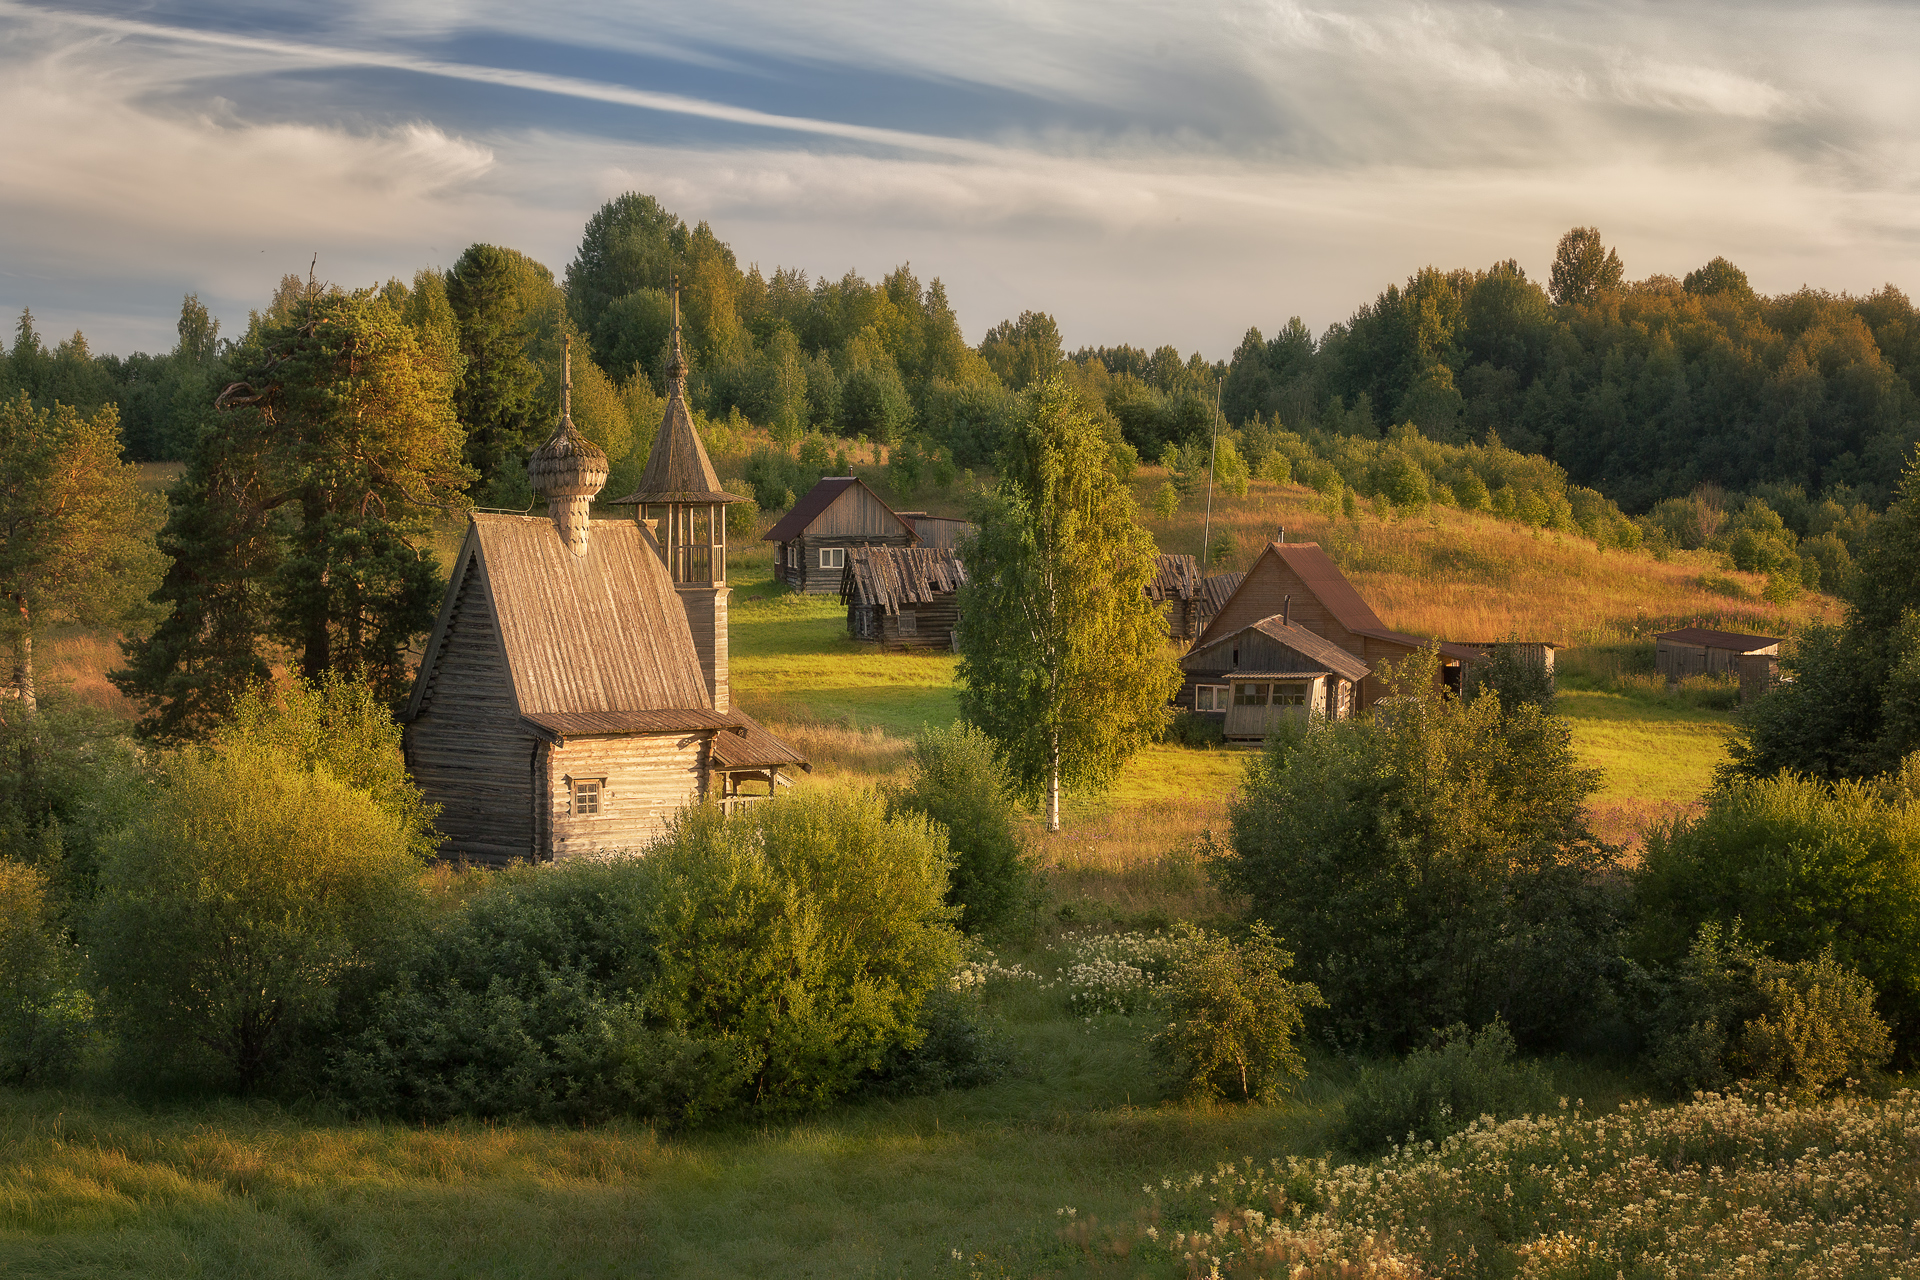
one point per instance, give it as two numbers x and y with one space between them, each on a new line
1188 600
904 597
835 517
573 695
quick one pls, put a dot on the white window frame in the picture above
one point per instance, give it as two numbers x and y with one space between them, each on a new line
833 557
1211 697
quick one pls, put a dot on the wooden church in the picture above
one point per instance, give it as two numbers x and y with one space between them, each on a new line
573 694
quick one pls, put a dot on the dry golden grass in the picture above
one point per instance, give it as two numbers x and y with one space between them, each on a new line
75 662
1134 859
1477 577
837 751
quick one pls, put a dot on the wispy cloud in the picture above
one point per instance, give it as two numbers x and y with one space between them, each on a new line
1149 173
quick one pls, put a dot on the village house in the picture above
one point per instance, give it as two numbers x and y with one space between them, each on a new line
1266 672
1299 584
903 597
836 516
573 695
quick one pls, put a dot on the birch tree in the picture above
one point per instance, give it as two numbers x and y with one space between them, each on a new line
1064 661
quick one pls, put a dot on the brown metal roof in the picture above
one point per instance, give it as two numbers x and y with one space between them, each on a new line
599 632
750 746
1708 639
678 469
1307 644
815 502
1175 577
1448 649
589 724
1329 586
893 576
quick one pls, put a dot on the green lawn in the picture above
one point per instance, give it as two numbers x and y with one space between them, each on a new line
1661 753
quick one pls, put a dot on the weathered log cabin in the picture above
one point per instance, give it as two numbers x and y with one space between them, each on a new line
565 706
1696 651
836 515
903 597
1272 670
1188 600
1299 581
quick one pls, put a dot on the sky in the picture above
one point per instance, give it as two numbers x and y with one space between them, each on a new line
1147 173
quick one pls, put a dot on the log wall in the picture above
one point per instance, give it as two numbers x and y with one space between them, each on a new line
647 779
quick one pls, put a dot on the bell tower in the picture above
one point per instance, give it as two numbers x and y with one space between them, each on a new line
681 501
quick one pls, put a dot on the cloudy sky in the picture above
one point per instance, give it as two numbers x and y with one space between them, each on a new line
1148 173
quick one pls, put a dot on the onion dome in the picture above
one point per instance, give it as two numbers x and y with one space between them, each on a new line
569 469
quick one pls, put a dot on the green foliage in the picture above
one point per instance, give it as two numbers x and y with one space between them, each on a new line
1166 500
958 784
1234 1018
1512 675
758 962
501 301
1063 659
76 530
303 517
232 910
1024 352
1431 865
341 726
1732 1012
44 1015
743 521
1583 268
1438 1090
1805 867
69 778
955 1049
1192 729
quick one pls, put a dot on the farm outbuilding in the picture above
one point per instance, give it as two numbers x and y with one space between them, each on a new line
573 694
1269 671
903 597
938 531
1188 600
1694 651
836 516
1300 582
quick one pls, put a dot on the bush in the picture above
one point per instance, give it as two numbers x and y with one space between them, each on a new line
1508 673
46 820
1443 1088
1731 1012
232 910
1191 729
1234 1018
764 961
1430 867
959 783
1805 867
955 1050
743 520
44 1016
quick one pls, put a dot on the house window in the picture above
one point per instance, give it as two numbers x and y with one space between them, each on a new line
1210 697
587 795
1291 693
909 623
1248 694
833 557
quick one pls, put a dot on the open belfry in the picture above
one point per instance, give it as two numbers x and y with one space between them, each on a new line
573 694
680 500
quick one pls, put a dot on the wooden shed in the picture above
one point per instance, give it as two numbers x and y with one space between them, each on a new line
903 597
938 531
1694 651
1299 581
836 516
1266 672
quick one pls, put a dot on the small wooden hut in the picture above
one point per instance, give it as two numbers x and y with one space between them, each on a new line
904 597
836 516
1175 587
1694 651
938 531
1266 672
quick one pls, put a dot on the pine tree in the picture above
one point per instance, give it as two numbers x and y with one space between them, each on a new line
1064 661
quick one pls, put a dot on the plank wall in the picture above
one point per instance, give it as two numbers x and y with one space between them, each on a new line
467 749
649 778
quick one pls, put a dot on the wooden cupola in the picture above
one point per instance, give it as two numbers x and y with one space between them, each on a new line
569 469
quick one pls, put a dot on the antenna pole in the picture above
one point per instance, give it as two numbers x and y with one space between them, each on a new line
1213 445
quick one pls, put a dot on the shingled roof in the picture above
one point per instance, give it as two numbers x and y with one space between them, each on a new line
750 746
600 632
678 469
892 576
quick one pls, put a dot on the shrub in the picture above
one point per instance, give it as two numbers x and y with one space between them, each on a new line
44 1016
743 520
955 1050
46 820
1441 1089
1731 1012
1508 673
1432 866
764 960
1166 501
1191 729
1804 866
957 782
230 912
1233 1018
